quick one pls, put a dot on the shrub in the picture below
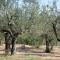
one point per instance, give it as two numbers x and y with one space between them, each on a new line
29 40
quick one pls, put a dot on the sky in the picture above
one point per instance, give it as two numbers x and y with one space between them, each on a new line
45 2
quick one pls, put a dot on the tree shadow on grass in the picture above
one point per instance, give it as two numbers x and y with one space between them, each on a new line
30 50
38 52
2 54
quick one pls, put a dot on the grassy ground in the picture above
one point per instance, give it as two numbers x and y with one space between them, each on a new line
19 57
31 54
26 57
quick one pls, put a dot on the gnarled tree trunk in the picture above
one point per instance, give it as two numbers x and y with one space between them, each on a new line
13 46
7 43
47 44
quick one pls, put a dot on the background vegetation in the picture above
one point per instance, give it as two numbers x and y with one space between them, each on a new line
32 20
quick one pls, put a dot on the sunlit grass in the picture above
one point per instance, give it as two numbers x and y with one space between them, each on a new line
20 57
26 57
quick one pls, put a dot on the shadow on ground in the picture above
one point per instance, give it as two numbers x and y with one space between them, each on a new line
29 50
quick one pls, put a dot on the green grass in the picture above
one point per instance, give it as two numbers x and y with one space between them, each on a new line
25 57
19 57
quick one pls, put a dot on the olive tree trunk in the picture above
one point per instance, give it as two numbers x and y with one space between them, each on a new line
47 44
13 46
7 44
